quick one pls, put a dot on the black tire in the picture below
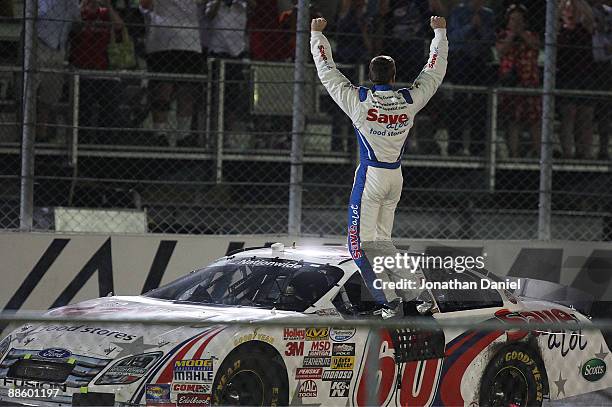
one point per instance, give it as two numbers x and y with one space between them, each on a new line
514 377
251 377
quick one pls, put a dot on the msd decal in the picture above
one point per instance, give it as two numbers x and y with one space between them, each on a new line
374 116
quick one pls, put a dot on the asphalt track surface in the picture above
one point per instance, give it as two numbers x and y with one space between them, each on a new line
597 399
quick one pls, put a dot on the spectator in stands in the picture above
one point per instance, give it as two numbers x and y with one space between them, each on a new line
288 24
471 35
575 71
352 38
55 21
88 51
518 50
227 23
406 26
602 54
266 41
173 47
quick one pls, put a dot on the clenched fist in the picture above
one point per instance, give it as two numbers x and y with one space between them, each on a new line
438 22
318 24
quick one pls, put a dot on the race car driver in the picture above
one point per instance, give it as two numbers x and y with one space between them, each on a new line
382 118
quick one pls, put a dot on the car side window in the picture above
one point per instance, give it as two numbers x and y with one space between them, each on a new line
354 297
449 300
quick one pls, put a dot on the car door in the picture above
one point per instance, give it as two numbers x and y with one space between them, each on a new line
398 367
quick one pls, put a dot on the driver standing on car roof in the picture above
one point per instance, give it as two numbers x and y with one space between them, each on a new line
382 118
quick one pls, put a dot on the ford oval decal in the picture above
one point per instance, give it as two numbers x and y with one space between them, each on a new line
55 353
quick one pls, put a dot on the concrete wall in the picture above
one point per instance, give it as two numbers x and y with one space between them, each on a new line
41 270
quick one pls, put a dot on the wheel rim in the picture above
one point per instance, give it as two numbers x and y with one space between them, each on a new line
509 388
245 388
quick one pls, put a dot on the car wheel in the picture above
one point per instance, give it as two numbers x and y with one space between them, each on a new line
513 378
251 377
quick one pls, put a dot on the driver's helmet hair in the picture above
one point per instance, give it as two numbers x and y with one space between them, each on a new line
308 286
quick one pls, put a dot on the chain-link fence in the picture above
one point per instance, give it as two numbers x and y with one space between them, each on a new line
179 116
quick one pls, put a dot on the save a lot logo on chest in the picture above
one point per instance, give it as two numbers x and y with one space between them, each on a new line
594 369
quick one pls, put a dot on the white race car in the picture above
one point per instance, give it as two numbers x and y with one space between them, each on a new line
213 363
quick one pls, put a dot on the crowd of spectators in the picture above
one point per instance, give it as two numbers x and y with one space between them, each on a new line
499 45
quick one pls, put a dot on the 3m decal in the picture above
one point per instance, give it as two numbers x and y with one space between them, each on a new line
308 388
294 349
339 388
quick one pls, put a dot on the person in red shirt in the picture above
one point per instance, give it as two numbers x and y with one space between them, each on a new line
518 49
99 97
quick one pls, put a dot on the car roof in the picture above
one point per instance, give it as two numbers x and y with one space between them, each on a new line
332 254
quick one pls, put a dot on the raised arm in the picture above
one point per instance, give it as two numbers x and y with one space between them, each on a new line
337 85
430 78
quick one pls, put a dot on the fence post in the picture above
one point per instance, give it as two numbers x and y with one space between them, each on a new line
220 123
548 120
492 134
28 117
297 127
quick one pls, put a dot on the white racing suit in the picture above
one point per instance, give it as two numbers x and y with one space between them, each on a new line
382 118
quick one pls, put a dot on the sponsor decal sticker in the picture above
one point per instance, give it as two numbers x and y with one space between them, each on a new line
308 373
86 330
253 337
127 371
317 334
343 349
594 369
294 349
193 400
342 362
308 388
157 394
337 375
198 388
311 361
193 370
294 334
339 388
341 334
194 365
55 353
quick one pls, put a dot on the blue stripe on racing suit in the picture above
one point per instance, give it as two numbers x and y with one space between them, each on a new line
354 241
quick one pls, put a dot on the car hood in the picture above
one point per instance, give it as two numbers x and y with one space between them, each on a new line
85 336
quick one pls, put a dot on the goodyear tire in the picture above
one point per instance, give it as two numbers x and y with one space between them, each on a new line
514 377
251 377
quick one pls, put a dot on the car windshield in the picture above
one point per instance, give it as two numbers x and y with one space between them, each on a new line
256 282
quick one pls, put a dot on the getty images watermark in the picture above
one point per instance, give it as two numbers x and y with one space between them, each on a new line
413 263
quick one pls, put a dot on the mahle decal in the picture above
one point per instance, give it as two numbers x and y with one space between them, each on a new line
594 369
